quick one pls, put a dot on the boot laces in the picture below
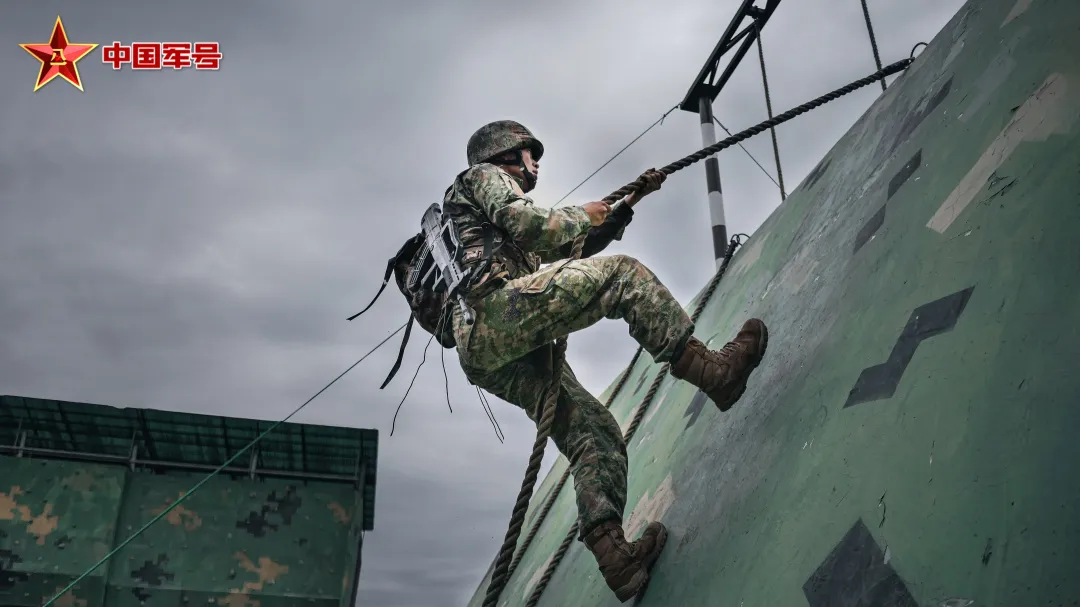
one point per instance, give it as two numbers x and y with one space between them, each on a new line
729 351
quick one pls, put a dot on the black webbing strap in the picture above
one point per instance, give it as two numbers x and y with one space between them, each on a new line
401 352
389 272
390 265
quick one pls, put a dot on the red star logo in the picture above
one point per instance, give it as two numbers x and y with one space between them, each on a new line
58 57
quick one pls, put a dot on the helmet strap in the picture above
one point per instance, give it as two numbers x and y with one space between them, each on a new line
519 159
530 177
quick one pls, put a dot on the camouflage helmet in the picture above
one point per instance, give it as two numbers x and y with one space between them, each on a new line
499 137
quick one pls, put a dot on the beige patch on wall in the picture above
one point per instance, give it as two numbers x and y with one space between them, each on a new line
340 513
1019 9
10 508
68 599
539 573
237 599
43 524
179 515
650 508
267 570
39 526
1045 113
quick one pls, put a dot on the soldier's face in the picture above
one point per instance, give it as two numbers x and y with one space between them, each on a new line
530 163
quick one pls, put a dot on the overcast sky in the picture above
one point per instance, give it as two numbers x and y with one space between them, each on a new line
194 241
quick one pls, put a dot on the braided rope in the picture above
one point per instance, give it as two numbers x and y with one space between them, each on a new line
500 574
566 473
704 153
639 414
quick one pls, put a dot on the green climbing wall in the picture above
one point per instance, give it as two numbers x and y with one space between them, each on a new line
70 492
910 438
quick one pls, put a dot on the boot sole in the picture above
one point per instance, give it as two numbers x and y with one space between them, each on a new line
637 585
726 399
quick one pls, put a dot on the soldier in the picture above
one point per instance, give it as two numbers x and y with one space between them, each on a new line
521 309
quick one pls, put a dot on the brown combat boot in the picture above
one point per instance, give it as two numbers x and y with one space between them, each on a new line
722 375
624 565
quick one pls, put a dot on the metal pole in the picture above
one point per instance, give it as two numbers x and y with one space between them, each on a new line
712 180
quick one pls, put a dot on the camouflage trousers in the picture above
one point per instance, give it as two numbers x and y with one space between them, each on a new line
508 349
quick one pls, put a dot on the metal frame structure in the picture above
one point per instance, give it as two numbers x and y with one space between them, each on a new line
703 93
706 85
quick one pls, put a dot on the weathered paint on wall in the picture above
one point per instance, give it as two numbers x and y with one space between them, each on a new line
910 438
235 542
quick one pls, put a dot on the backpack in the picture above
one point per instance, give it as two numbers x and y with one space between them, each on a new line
430 308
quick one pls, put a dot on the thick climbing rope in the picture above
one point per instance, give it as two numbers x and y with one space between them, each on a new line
873 41
566 473
639 415
205 479
504 560
545 417
703 153
768 106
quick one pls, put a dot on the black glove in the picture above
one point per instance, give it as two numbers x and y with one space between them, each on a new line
599 237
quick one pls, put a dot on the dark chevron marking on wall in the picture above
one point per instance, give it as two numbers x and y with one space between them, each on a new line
880 381
855 574
280 509
869 229
905 173
641 381
817 173
153 573
694 410
913 120
878 219
8 560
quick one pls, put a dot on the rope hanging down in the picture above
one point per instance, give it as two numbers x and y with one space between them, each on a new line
232 459
639 414
566 473
545 419
503 564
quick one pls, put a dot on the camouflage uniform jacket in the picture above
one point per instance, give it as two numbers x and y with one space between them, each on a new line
523 236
